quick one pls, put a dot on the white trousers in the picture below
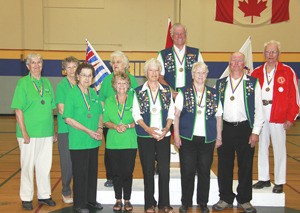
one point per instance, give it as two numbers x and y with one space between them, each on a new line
35 156
277 134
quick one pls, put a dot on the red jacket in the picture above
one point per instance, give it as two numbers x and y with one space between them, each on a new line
285 103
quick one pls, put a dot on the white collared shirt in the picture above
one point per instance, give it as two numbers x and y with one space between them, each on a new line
234 111
155 118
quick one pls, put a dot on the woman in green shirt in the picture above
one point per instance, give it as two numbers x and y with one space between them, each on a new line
120 64
83 113
121 140
63 88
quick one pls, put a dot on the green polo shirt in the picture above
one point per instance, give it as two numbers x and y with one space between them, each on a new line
75 108
115 140
107 89
37 109
62 90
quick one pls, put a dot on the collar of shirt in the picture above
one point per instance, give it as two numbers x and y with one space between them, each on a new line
145 86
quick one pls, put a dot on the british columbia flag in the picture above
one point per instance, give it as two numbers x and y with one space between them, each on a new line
101 70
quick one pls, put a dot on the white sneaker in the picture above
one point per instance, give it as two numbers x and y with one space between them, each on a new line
67 199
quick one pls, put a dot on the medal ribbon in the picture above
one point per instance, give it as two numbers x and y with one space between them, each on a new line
199 101
71 85
40 91
121 113
269 81
88 106
180 61
233 90
155 98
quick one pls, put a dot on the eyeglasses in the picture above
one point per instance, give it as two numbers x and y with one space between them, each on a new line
86 76
200 73
271 52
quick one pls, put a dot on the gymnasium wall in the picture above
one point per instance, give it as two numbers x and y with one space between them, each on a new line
57 29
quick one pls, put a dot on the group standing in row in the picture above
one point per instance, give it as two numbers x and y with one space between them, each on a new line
232 117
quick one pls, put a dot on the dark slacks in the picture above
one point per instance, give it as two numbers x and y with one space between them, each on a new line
148 149
65 163
122 164
195 155
235 141
85 172
108 169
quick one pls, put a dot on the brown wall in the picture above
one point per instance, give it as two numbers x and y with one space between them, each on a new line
131 25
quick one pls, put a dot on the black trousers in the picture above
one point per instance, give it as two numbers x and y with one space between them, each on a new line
122 164
85 172
148 149
235 141
108 169
195 155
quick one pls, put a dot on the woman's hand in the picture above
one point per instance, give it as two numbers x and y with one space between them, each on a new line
154 132
163 133
95 135
121 128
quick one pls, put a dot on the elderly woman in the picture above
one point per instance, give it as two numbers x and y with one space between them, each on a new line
120 64
63 88
153 111
33 102
198 123
121 140
83 113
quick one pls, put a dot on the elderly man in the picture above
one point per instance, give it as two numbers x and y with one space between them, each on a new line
281 106
178 60
33 102
240 96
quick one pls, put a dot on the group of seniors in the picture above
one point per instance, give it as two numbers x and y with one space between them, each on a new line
232 117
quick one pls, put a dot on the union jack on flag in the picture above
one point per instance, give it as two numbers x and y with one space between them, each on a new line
101 70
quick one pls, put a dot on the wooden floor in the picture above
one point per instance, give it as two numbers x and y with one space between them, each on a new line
10 174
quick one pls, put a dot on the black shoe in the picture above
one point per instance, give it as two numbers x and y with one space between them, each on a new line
27 205
81 210
108 183
278 188
203 207
48 202
261 184
95 205
183 209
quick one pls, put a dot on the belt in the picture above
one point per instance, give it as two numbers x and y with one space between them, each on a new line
239 123
266 102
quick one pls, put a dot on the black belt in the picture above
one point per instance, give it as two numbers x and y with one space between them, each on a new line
235 123
266 102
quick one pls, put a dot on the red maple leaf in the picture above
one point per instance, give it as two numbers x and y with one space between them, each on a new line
252 8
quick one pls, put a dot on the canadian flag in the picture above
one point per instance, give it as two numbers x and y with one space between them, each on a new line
252 12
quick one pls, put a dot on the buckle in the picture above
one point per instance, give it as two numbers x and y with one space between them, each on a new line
266 102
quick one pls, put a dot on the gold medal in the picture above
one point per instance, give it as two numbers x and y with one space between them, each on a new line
267 89
232 98
199 111
180 69
89 115
42 102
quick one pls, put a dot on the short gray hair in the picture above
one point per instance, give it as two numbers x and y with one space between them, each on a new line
152 62
276 43
199 65
176 25
33 55
118 53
